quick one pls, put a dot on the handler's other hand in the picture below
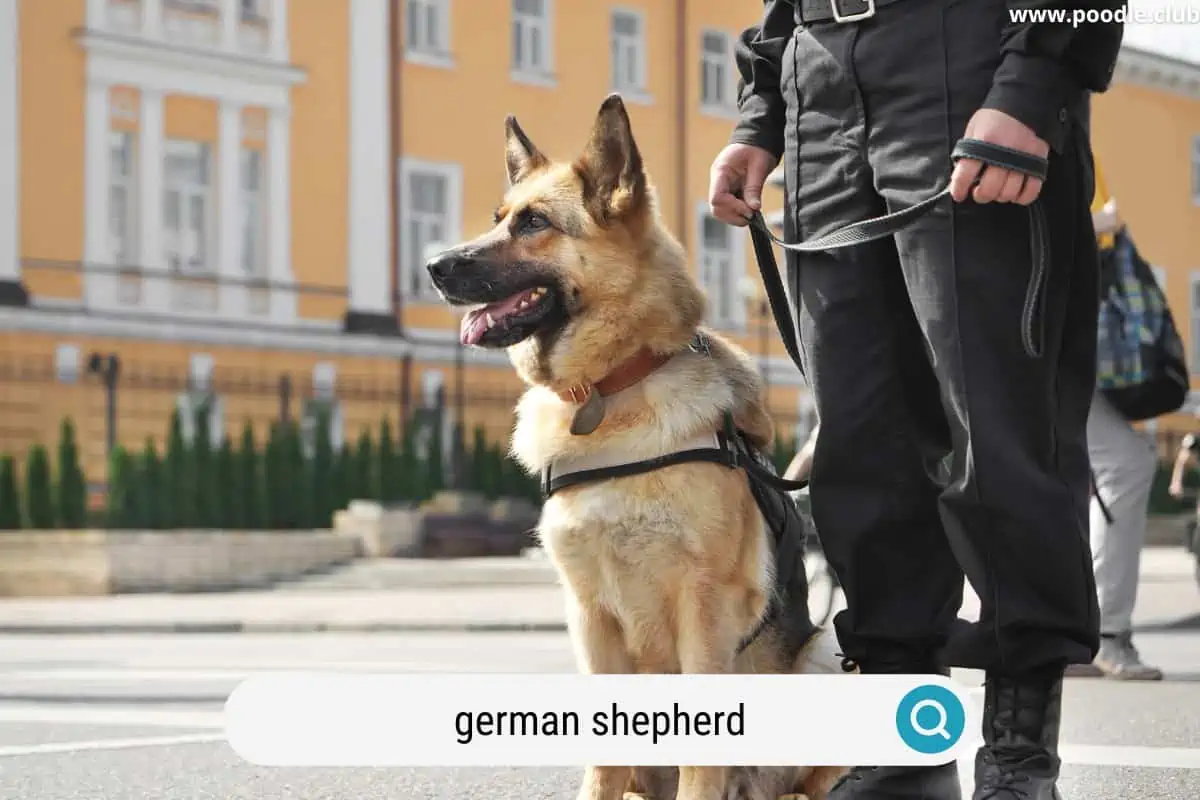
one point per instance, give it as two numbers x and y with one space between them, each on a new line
998 184
739 169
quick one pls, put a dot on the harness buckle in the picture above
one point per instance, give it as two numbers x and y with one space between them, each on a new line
867 6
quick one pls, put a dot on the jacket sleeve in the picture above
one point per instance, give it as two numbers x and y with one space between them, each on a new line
1047 65
758 55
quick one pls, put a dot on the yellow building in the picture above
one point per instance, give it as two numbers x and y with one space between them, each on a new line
234 197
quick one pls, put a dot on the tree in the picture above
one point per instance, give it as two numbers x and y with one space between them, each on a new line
295 505
175 467
123 501
72 487
39 502
410 477
153 511
387 488
248 507
322 477
226 498
10 498
435 467
202 478
365 483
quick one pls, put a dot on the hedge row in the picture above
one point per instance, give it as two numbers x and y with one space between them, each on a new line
280 485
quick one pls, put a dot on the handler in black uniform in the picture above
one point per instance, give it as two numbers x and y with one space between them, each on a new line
946 338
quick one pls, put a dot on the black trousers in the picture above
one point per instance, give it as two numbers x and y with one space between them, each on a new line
918 347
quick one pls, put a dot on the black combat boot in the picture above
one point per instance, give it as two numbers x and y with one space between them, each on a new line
898 783
1019 758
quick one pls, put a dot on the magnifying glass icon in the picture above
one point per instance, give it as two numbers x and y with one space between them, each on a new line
942 719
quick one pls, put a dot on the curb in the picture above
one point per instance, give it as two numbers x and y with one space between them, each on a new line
88 629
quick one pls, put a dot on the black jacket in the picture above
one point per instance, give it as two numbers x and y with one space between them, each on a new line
1045 73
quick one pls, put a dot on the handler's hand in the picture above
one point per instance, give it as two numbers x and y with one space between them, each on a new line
739 168
998 184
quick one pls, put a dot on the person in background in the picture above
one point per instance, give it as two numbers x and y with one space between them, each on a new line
1123 462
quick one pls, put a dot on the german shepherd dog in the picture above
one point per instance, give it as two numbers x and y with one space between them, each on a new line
666 571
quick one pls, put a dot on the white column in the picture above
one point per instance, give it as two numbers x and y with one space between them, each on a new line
97 14
279 214
99 282
278 36
230 24
156 286
152 18
229 256
10 107
370 155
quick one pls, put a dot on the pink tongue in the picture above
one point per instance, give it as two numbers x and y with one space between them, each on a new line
474 325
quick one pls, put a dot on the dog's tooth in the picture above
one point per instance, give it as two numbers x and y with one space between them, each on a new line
523 304
491 321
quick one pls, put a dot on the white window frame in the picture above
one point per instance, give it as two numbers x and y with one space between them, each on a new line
200 390
622 44
433 54
124 253
188 192
451 224
532 25
736 318
1194 318
252 10
252 211
66 363
1196 169
723 106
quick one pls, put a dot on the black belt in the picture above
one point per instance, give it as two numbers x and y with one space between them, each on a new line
809 11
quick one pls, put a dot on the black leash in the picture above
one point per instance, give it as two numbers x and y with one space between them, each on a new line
870 230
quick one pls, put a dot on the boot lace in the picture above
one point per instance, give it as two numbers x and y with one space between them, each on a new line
1006 776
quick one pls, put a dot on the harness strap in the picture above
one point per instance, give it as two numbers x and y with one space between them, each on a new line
869 230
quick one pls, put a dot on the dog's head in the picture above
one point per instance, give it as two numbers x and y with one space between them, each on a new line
577 272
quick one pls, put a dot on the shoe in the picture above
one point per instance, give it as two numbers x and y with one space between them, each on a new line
899 783
1019 758
1119 659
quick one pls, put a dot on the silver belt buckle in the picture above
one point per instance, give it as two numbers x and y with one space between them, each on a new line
839 17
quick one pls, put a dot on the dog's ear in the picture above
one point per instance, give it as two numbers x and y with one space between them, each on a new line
521 156
611 167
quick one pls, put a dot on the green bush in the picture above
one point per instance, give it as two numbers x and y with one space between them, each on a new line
249 509
202 491
226 498
175 469
151 500
39 497
410 477
366 481
123 500
387 489
10 499
71 491
323 482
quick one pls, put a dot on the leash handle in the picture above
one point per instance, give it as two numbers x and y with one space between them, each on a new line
869 230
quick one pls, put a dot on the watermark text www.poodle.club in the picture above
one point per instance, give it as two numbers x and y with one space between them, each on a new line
1169 14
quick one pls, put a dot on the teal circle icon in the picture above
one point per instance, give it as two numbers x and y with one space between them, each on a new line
930 719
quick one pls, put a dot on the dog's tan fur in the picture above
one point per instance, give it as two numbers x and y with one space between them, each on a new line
665 572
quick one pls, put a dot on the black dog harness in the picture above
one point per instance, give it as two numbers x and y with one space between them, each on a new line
731 448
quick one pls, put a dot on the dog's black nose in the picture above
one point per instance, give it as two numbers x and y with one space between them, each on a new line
444 263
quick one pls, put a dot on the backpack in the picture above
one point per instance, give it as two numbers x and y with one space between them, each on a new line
1141 366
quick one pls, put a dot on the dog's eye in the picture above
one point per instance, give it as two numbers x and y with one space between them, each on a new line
534 221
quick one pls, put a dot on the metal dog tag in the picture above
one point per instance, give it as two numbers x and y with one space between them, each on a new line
589 416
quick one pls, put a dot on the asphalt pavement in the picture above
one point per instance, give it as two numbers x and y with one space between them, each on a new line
138 717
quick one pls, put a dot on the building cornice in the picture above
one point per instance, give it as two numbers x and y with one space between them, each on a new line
1143 68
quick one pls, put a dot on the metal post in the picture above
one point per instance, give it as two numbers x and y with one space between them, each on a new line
108 368
285 397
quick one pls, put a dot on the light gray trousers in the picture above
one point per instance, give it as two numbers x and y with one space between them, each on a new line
1124 462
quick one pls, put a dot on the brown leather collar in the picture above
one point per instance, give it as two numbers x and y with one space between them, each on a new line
629 372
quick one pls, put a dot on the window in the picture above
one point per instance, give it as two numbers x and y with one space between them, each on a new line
721 267
427 26
322 409
199 406
431 214
252 10
252 212
717 83
628 51
186 207
1196 169
66 363
120 198
531 36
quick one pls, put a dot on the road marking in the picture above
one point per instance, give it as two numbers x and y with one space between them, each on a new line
110 744
132 717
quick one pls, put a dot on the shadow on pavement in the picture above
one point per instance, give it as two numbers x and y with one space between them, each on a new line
1191 623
